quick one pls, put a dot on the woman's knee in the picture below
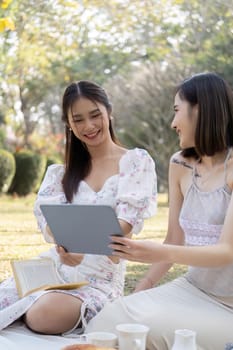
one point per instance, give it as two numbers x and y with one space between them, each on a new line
112 314
53 313
35 318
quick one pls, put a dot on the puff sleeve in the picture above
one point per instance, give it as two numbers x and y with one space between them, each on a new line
137 189
50 192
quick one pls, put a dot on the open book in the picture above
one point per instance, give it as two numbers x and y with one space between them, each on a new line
38 274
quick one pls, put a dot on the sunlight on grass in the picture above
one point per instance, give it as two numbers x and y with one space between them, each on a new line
20 238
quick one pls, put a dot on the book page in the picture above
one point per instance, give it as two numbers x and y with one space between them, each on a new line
31 274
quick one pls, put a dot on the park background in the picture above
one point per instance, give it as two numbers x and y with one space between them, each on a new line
137 49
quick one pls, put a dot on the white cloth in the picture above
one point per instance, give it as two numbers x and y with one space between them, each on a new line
201 300
132 194
174 305
19 337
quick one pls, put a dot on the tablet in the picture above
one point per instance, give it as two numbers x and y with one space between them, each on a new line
82 228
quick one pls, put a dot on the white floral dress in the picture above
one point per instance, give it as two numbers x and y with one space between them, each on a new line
132 194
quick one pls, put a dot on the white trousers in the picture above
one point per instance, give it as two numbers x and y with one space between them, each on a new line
174 305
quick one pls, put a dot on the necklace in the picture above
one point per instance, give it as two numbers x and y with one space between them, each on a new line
201 177
203 174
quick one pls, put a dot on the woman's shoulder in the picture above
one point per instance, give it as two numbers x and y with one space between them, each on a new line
138 153
178 159
136 159
55 169
229 170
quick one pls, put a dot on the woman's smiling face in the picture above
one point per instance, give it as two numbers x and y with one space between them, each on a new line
185 121
89 121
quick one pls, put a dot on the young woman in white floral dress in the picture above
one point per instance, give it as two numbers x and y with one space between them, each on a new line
200 229
97 170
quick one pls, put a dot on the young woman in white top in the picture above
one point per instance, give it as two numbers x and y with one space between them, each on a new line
99 171
200 229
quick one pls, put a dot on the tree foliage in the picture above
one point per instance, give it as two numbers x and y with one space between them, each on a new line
58 41
138 49
206 42
6 23
7 166
144 117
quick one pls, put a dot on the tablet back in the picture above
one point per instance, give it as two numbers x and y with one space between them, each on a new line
82 228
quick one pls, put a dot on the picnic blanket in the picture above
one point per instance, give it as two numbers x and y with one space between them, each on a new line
19 337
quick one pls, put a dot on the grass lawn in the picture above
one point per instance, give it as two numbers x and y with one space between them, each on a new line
20 238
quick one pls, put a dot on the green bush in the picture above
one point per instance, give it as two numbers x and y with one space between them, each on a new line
7 170
30 168
53 160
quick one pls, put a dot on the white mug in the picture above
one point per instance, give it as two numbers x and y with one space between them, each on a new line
132 336
104 339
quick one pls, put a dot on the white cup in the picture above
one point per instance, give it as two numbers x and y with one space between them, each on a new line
184 339
105 339
132 336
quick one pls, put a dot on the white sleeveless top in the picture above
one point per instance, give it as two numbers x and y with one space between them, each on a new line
201 218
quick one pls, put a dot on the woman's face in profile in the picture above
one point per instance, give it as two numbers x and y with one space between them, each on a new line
185 121
89 121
